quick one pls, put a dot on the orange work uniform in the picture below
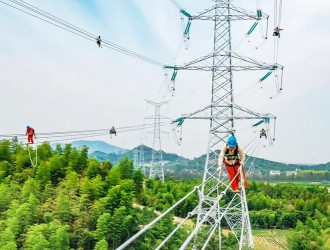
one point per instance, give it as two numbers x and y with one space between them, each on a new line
30 134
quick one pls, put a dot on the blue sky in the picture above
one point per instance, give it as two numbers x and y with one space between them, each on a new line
56 81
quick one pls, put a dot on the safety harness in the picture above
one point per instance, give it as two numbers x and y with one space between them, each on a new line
232 157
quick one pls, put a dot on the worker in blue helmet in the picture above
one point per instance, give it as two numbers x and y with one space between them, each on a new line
233 157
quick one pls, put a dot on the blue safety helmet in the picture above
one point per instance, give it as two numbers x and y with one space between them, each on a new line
27 126
232 142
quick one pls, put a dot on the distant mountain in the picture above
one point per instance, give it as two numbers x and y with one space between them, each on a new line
103 151
112 157
259 164
99 146
325 166
170 157
115 157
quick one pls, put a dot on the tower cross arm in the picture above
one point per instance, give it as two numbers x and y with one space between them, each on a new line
243 63
218 113
236 13
227 117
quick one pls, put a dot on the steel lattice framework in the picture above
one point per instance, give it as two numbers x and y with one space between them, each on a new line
222 62
213 210
157 164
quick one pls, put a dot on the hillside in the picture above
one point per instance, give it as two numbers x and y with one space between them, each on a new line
115 157
318 167
103 151
93 146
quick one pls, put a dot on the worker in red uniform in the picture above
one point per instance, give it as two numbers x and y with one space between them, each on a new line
30 133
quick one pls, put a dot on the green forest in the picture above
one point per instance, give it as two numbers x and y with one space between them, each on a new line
71 201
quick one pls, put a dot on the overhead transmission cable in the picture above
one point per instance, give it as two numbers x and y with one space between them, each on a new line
74 138
60 23
84 32
86 132
88 135
176 4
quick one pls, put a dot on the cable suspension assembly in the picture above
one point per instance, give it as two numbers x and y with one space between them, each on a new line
185 27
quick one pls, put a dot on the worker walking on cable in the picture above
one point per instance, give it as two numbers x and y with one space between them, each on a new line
263 133
277 32
30 133
233 157
98 41
113 131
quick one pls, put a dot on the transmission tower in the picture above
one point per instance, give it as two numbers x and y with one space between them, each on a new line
157 164
221 112
213 211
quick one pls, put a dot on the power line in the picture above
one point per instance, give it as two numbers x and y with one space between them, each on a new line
86 132
60 23
78 137
175 3
66 137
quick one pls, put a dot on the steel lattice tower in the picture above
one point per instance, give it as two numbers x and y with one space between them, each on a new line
213 211
157 164
221 113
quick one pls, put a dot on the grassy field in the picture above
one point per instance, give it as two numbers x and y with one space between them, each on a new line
301 183
273 239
